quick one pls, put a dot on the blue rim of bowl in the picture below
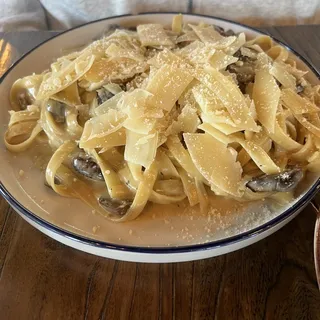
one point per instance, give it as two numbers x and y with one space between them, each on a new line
300 204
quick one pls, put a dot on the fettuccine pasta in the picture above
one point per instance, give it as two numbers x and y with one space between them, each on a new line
159 115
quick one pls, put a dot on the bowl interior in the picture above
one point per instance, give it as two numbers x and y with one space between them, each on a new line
158 226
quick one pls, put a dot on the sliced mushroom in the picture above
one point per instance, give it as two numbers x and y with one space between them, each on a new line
87 167
244 58
245 73
23 91
103 95
299 88
118 207
223 32
282 182
25 99
57 109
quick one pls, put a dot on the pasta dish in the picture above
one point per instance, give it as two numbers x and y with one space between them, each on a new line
155 114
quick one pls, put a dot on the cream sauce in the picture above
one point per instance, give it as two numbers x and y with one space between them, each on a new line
158 225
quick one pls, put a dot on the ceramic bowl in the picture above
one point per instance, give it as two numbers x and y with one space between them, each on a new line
171 233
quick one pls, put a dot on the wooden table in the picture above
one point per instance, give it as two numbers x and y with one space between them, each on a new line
272 279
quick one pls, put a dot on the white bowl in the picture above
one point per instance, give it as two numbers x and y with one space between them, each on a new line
159 235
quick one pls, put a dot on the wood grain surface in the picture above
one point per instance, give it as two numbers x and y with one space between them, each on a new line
272 279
